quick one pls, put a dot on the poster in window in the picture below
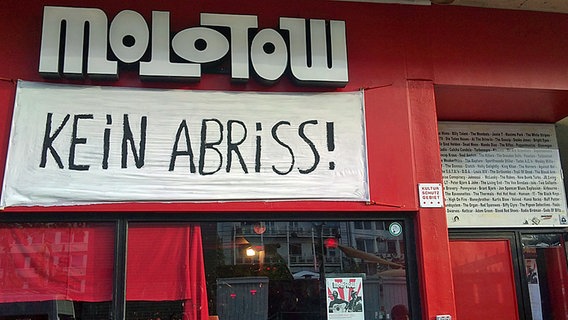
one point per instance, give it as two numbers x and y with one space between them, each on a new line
534 288
345 298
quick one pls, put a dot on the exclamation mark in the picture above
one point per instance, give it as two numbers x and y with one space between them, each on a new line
258 147
330 142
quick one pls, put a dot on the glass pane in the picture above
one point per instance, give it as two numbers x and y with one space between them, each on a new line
266 270
547 274
305 269
55 270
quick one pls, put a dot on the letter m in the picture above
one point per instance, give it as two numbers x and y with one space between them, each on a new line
66 31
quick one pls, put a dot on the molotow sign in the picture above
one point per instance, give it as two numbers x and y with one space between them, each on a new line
318 58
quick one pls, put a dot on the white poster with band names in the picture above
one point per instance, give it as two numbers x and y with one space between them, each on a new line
91 144
502 174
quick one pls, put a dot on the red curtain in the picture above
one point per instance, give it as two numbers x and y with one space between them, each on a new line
74 261
165 262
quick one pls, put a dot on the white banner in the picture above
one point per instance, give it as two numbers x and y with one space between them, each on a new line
502 174
82 144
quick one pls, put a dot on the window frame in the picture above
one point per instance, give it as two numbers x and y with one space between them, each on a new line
514 236
121 222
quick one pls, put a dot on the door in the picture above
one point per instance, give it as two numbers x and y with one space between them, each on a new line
510 274
546 272
484 279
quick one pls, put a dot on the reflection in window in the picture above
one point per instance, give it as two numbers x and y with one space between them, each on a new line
281 268
546 274
295 249
236 270
62 270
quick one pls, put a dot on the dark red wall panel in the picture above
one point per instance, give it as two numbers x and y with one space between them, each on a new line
483 279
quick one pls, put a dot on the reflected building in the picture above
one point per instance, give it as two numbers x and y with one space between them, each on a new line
305 246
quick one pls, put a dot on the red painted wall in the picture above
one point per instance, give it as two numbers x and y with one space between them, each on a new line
476 58
389 143
416 64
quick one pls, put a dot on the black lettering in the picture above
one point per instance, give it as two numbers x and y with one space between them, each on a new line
106 142
48 141
277 139
234 146
302 135
188 152
209 145
75 141
127 138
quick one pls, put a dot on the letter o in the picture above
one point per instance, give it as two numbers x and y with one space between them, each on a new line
214 45
131 25
269 55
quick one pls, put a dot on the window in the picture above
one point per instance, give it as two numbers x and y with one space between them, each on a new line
367 245
380 225
190 270
295 249
363 225
291 270
544 257
65 268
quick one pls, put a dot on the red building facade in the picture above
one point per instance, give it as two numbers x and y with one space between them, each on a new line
416 65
